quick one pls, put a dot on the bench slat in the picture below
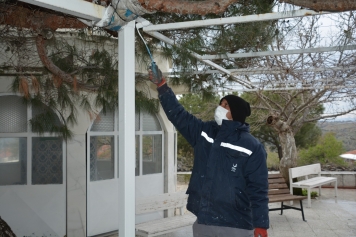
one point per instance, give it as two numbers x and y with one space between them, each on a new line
316 181
277 191
285 198
165 225
277 180
278 186
161 202
273 176
304 170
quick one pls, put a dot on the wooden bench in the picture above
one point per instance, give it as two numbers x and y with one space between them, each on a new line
278 191
309 183
164 225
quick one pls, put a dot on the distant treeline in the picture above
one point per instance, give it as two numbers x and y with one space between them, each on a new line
344 131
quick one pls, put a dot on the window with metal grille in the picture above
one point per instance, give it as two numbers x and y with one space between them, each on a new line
104 143
46 151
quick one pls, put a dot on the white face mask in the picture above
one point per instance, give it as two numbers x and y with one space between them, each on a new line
220 114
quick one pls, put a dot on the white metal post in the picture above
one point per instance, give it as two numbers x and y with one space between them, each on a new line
127 130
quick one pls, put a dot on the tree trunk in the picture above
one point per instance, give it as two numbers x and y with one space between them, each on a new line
287 143
289 153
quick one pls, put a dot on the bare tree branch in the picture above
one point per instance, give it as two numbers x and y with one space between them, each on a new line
330 116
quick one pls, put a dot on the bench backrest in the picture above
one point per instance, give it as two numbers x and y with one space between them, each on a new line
304 171
161 202
277 185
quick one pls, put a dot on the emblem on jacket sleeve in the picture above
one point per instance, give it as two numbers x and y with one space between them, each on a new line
233 168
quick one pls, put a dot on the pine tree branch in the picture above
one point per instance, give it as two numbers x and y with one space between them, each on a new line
28 16
188 7
56 71
202 7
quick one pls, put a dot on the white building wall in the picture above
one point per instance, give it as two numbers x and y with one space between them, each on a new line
76 178
76 186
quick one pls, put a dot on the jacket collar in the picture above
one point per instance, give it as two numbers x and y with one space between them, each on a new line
234 125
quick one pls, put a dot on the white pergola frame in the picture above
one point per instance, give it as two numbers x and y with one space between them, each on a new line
92 12
153 31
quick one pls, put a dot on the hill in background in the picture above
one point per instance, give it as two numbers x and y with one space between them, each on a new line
344 131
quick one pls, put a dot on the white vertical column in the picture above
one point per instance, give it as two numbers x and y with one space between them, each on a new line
127 130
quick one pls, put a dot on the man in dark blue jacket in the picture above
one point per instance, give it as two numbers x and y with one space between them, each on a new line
228 189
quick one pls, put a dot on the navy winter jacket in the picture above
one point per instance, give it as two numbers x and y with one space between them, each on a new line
229 182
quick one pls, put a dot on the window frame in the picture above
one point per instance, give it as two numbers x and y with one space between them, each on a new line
139 132
29 135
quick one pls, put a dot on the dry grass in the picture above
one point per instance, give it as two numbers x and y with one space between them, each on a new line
272 160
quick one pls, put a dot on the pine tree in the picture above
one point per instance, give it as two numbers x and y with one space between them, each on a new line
86 75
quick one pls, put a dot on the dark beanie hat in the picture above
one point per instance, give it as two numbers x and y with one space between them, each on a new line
240 109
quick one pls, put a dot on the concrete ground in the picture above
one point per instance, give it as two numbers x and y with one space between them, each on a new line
325 218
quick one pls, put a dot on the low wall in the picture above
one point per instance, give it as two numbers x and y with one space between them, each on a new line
345 179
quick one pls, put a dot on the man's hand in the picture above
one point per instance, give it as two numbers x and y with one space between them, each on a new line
155 75
260 232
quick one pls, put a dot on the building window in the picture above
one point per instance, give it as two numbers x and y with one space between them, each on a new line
148 143
151 153
13 160
13 115
102 161
45 153
47 162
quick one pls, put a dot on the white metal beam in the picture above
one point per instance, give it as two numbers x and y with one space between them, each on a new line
127 130
232 20
327 83
157 35
142 23
76 8
273 70
152 30
281 52
280 89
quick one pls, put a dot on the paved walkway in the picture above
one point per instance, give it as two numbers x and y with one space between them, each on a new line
325 218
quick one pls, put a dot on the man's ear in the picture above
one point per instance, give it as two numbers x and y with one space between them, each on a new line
228 115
